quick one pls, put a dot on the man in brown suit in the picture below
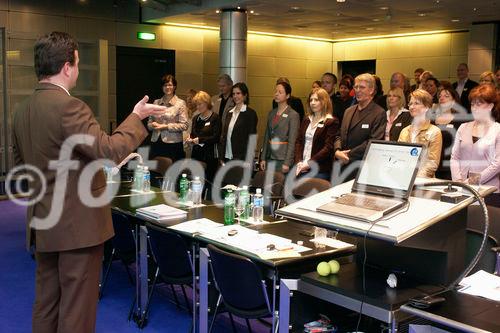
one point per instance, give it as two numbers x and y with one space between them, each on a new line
69 233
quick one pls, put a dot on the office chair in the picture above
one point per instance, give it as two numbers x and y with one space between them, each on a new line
272 189
308 185
475 219
490 261
242 289
174 259
123 247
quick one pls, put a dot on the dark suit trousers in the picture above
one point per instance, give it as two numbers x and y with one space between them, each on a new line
67 289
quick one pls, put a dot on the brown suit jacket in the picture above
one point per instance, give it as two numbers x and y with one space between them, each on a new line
322 146
41 125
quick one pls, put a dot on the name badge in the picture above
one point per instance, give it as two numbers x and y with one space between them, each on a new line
449 126
365 126
397 124
284 115
207 124
320 125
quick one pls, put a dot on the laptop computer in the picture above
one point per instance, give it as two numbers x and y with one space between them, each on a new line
383 183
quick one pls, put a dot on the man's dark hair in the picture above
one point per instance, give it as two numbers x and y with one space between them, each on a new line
52 51
333 76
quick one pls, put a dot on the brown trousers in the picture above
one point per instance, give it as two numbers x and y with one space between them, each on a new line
67 290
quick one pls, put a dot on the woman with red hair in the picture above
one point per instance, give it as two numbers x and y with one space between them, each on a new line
475 157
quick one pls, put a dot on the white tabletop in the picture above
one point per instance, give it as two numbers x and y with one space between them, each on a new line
395 227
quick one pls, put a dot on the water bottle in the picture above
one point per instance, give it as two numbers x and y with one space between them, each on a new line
229 202
183 188
258 206
245 200
138 178
196 188
146 179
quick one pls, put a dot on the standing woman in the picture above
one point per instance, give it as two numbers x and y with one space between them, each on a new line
423 132
205 134
397 116
317 135
281 132
239 124
476 152
169 127
343 100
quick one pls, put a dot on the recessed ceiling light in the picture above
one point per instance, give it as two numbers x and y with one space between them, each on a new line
238 7
369 29
455 20
383 8
375 20
438 1
217 11
340 0
251 12
257 14
474 9
421 14
295 8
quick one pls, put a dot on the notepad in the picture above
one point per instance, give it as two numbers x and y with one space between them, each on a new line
196 226
161 212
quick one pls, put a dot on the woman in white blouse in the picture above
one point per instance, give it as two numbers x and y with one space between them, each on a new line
316 136
475 157
170 126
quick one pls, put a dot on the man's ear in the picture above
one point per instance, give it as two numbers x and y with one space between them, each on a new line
66 69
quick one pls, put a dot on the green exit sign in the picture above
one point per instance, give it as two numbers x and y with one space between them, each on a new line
146 36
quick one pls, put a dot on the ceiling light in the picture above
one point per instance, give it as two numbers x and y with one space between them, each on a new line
340 0
438 1
474 9
421 14
295 8
455 20
384 8
251 12
375 20
369 29
238 7
217 11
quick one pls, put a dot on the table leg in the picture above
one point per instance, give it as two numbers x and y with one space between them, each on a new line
141 278
286 288
194 256
203 290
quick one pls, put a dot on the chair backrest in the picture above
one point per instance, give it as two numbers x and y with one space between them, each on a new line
489 258
272 187
475 219
124 239
310 186
172 255
240 283
163 164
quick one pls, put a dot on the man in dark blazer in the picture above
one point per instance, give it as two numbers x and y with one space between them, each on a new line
361 123
463 86
69 233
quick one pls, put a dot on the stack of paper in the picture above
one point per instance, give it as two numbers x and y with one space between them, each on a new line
161 212
482 284
196 226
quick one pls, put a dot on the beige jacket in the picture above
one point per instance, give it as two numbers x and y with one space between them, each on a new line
176 119
430 137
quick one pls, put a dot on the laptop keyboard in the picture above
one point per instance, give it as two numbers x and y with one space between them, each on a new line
377 204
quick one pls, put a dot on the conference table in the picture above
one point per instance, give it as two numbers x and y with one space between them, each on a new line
127 202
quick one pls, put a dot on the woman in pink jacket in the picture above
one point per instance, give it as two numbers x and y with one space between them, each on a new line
475 157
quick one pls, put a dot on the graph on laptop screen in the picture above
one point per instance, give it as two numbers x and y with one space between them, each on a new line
389 165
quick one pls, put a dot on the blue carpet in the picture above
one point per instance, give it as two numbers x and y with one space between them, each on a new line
17 288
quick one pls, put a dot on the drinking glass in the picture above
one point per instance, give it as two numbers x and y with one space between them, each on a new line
239 208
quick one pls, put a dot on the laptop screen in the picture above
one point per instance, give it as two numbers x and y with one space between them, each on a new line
388 168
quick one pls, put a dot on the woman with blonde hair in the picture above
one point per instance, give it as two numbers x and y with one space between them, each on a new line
423 132
398 116
487 78
317 135
205 133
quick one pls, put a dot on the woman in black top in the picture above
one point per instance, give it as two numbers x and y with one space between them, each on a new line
447 115
205 134
343 100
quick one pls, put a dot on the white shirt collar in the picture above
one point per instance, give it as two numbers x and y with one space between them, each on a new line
388 112
243 109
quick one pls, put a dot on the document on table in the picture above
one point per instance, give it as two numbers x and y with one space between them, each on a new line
331 242
482 284
196 226
161 212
